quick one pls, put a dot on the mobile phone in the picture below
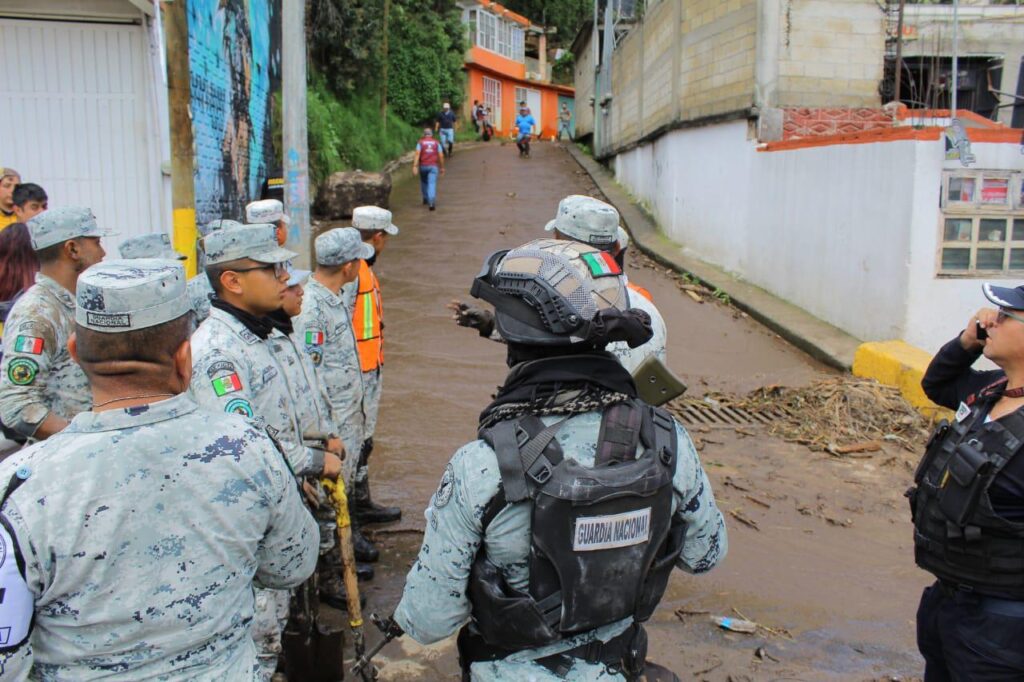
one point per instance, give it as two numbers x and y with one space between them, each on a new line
980 332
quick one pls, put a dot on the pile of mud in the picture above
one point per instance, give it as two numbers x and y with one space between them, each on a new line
841 415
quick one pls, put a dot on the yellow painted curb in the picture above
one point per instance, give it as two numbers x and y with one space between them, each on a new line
897 363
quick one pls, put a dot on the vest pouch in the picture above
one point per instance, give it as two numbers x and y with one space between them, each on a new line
658 574
930 449
505 617
963 482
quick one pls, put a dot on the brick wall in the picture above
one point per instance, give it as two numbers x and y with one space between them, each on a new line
798 122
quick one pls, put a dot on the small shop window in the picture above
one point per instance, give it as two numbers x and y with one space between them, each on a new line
982 229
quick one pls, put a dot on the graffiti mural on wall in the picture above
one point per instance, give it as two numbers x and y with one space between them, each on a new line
235 66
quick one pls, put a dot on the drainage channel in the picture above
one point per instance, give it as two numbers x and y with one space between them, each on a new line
699 413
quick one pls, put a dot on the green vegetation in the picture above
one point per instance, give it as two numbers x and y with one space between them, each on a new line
350 134
425 51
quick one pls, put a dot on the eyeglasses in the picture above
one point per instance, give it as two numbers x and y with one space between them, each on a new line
280 269
1004 313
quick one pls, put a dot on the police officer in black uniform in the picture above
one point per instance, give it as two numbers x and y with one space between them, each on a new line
968 502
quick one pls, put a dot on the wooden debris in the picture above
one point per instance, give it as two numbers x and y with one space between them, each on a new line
758 502
731 482
738 515
695 296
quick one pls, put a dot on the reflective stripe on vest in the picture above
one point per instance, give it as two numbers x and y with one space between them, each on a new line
366 320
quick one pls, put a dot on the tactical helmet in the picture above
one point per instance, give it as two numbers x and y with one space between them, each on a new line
550 292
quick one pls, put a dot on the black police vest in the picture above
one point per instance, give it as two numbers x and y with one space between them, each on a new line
957 535
604 539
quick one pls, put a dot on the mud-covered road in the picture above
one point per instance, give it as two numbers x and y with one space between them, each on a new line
819 547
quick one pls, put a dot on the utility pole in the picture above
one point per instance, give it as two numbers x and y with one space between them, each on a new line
179 99
293 126
956 63
384 65
899 51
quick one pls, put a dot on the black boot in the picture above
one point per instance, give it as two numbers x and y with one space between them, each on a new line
366 508
364 572
364 549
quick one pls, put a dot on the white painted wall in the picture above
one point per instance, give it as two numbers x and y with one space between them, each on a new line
938 308
847 232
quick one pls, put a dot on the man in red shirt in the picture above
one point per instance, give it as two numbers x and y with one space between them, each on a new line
428 162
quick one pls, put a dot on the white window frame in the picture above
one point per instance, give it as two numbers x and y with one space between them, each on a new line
486 30
1011 212
499 36
492 99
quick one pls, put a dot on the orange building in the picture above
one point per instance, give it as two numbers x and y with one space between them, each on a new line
507 63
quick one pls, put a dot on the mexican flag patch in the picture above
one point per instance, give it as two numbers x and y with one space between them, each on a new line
229 384
314 337
28 344
601 264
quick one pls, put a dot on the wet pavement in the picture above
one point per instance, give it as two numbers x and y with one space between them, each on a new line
820 550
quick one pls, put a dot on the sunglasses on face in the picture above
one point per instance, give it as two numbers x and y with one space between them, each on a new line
280 269
1004 313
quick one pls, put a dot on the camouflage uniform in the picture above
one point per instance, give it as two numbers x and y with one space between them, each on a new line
434 603
177 510
37 375
234 370
150 246
325 328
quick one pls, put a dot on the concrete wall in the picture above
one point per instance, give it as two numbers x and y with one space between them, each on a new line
830 53
708 59
583 80
850 233
938 307
795 223
984 31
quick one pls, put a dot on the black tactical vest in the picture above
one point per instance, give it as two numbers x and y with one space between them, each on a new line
604 539
957 535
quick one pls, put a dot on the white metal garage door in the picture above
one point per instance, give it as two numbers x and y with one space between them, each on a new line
75 118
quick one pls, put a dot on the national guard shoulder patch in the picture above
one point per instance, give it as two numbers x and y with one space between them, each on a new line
22 371
314 337
315 354
32 345
445 489
239 406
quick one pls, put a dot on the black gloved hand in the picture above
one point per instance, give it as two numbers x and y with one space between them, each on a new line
468 316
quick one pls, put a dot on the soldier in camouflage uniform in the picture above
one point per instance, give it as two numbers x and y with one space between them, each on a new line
492 509
150 246
243 364
138 561
41 387
590 221
365 298
199 289
325 327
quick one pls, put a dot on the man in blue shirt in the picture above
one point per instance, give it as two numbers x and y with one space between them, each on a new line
445 126
524 128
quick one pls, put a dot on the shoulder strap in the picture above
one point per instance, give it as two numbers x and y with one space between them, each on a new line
666 444
527 451
619 435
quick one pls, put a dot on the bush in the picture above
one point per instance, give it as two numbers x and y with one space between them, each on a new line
349 134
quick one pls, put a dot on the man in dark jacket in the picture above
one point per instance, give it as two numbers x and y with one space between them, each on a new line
968 502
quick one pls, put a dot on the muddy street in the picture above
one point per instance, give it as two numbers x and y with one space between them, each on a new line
820 548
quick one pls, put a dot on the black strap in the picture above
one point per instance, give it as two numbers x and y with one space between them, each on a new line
665 441
620 434
503 438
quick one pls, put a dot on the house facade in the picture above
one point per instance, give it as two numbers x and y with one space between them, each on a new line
506 64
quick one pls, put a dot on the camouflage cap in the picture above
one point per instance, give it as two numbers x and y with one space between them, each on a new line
341 245
125 295
8 172
255 242
586 220
58 225
296 276
150 246
219 224
265 211
372 219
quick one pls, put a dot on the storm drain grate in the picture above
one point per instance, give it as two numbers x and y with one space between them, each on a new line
699 413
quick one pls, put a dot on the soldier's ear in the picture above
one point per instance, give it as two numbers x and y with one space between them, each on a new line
182 360
230 281
73 347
